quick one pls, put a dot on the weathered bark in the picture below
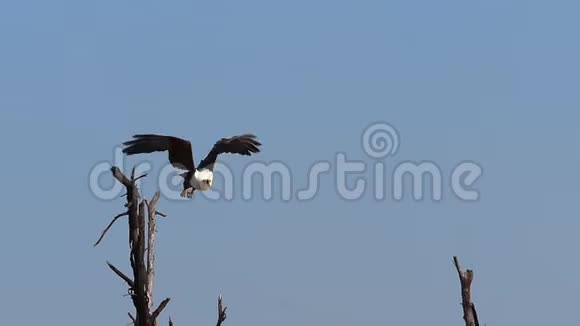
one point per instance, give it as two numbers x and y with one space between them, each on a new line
466 278
151 246
140 271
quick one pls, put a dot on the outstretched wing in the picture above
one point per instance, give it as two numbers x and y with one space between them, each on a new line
180 154
243 144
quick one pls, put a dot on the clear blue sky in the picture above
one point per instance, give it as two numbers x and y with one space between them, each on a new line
494 81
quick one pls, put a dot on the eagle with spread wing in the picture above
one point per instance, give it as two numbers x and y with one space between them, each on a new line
181 156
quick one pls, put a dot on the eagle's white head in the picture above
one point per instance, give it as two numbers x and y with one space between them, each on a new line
203 179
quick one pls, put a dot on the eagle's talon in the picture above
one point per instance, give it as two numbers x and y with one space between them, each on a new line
187 193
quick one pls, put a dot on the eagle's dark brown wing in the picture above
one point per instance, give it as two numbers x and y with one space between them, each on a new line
243 144
180 154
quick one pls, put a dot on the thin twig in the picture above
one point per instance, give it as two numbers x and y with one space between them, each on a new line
132 318
139 177
109 226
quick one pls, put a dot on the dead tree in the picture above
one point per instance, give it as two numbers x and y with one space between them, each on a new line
469 312
142 222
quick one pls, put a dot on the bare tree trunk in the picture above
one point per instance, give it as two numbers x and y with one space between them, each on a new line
141 286
469 312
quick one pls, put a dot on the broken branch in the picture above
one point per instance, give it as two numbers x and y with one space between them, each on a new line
221 311
159 309
121 177
466 278
121 275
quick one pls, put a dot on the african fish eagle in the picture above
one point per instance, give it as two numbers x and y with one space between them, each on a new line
181 156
